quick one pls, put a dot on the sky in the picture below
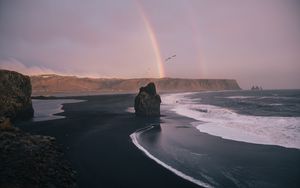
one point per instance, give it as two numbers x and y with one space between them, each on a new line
256 42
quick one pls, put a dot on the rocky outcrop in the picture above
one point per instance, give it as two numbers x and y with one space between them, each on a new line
147 102
26 160
15 95
31 160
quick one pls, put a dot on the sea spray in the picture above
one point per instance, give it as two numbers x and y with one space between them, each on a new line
228 124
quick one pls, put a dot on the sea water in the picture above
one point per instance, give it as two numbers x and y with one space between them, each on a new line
264 117
228 138
48 109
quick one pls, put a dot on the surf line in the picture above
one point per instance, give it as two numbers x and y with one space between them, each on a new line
134 139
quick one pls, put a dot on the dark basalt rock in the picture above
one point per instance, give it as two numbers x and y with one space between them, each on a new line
31 160
147 102
15 95
27 160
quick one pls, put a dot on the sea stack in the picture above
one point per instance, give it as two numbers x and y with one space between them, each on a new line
147 102
15 95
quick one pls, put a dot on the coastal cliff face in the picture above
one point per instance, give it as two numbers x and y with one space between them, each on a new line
54 84
147 102
15 95
27 160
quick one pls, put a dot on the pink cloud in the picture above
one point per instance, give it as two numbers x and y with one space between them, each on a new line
15 65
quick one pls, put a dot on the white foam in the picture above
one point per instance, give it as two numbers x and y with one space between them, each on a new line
178 98
281 131
275 104
130 110
134 139
263 97
276 97
239 97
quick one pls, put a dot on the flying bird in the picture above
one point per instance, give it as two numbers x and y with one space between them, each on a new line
169 58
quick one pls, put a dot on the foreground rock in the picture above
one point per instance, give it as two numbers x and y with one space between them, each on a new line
15 95
26 160
31 160
147 102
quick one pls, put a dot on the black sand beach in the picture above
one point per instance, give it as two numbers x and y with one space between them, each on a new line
227 163
95 138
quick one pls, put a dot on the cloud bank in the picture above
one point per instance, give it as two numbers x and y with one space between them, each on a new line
256 42
16 65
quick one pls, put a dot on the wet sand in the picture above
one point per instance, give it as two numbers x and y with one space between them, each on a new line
95 136
220 162
95 139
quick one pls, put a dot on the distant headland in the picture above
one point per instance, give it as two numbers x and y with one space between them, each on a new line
52 84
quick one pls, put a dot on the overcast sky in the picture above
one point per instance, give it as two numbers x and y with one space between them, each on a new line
253 41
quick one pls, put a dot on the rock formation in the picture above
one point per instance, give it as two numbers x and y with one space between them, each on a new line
26 160
15 95
147 102
31 160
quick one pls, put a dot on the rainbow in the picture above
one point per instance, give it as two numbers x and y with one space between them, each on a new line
153 40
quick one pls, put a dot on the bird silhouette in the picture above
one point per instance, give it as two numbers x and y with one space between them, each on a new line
169 58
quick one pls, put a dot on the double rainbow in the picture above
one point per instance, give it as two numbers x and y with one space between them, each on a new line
153 40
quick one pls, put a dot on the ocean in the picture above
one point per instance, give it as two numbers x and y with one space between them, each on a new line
228 138
44 110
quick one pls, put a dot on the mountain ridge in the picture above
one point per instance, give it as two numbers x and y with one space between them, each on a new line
51 84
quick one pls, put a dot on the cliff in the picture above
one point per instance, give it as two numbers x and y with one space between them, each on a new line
27 160
15 95
55 84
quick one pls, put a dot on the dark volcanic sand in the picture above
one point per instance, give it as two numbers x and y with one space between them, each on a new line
95 138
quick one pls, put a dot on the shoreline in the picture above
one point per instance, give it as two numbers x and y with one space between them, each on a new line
227 161
95 136
46 110
87 134
134 138
67 95
226 123
59 94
